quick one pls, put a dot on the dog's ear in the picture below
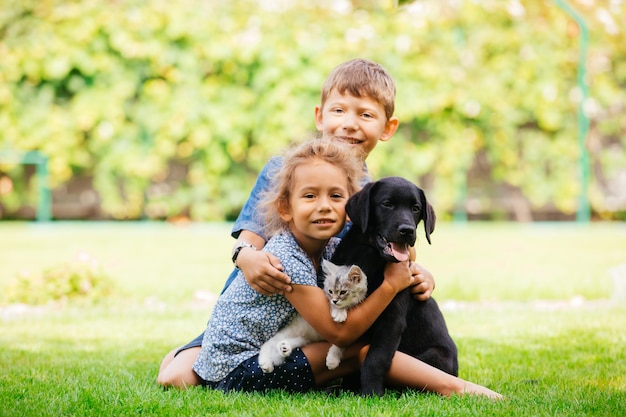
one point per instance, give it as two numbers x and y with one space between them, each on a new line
428 216
358 207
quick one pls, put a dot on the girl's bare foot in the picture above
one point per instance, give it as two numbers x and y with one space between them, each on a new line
475 389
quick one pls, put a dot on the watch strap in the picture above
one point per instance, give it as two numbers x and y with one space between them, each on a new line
238 248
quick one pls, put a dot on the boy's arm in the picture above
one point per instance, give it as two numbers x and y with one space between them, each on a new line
262 270
424 282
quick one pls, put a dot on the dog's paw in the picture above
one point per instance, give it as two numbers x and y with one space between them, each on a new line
285 349
339 315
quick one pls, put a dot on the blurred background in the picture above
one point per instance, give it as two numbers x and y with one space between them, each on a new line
167 110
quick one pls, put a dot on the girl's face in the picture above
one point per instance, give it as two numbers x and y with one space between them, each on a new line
317 205
359 121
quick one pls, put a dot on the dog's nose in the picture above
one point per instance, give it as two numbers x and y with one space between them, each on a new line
406 230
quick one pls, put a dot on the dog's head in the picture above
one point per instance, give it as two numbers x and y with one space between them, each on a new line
387 212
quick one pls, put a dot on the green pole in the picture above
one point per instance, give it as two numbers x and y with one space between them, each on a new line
44 201
584 211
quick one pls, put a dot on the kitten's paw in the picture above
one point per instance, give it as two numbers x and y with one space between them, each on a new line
285 349
332 362
333 357
339 315
266 366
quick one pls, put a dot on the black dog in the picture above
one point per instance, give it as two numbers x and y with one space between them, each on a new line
384 216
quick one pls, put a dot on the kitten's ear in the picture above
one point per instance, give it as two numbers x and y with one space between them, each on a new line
355 274
327 266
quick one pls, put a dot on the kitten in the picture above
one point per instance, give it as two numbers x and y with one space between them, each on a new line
345 287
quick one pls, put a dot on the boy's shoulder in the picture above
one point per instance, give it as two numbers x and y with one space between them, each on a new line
273 165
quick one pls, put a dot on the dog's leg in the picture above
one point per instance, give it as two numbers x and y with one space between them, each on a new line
385 335
427 337
441 357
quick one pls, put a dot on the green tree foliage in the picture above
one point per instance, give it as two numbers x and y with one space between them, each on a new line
173 107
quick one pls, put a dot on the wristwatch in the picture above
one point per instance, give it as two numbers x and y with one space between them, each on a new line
242 244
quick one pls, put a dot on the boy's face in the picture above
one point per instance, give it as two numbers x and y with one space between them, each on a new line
360 121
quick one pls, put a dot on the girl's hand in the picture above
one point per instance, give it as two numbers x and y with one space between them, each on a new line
263 272
423 284
398 275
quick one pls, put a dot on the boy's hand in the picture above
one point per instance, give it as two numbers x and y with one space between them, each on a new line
423 284
398 275
263 272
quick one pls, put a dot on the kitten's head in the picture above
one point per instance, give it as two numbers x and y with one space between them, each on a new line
344 285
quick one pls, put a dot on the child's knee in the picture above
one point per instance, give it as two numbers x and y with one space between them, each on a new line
177 371
363 353
177 378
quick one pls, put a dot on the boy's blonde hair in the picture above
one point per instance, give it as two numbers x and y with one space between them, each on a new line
361 77
334 152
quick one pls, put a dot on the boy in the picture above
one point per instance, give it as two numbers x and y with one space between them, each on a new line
356 107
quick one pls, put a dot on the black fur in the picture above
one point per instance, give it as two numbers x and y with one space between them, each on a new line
389 210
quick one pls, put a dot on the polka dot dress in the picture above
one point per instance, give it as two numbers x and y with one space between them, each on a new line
243 320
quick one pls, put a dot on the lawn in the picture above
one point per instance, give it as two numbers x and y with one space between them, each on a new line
530 307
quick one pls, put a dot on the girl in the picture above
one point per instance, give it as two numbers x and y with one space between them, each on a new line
303 214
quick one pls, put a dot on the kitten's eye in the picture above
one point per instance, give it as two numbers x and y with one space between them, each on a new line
342 292
330 292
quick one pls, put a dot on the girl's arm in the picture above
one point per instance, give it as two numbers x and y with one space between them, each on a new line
424 284
313 305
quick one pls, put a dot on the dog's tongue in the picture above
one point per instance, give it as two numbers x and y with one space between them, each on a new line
400 251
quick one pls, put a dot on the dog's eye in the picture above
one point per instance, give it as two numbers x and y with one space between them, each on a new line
387 204
416 209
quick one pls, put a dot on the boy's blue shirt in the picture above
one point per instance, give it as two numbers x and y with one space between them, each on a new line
249 218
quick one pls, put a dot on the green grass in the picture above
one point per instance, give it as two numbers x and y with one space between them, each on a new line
548 358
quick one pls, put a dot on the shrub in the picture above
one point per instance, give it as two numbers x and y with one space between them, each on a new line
82 280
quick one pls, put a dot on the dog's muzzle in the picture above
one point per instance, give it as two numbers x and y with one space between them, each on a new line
393 251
